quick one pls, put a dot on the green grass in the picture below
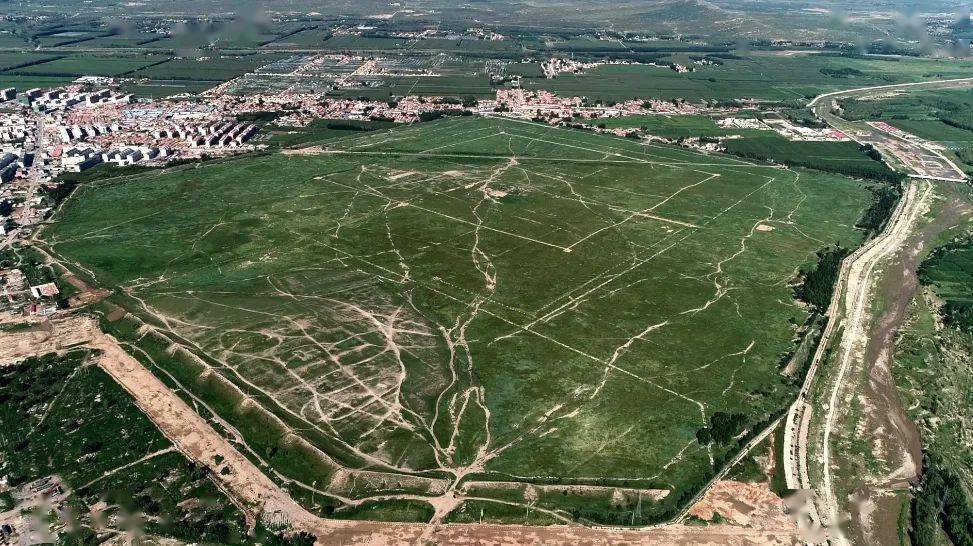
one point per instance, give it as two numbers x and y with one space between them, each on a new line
675 127
63 415
88 65
389 510
165 88
10 40
360 43
476 511
935 130
950 271
938 115
22 83
13 60
839 157
215 68
494 277
323 129
532 70
18 327
767 77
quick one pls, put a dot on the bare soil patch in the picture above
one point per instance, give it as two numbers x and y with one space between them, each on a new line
748 504
745 504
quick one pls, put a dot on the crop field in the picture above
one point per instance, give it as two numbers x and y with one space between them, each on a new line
89 65
124 40
951 105
164 88
760 77
215 68
14 60
677 126
838 157
8 39
445 306
28 82
935 130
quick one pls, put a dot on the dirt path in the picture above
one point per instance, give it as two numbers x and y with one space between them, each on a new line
239 477
894 438
760 516
856 321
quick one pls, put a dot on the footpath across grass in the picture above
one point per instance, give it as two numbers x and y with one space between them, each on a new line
400 297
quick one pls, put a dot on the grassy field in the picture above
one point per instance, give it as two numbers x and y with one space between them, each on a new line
209 69
164 88
13 60
950 272
476 296
323 129
763 77
916 104
839 157
89 65
10 40
676 127
29 82
935 130
941 115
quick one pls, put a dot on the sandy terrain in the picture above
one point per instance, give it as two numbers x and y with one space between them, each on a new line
86 295
55 336
307 150
746 504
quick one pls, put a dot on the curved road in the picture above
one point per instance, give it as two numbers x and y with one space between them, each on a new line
849 309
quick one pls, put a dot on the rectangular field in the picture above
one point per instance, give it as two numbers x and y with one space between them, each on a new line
216 68
764 77
89 65
476 297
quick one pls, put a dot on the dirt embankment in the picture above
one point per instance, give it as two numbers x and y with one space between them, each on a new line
893 437
46 336
756 515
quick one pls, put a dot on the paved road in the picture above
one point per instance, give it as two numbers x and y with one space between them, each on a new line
917 157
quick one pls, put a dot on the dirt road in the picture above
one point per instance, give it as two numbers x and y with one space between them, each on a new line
917 157
855 282
884 426
759 515
849 315
860 284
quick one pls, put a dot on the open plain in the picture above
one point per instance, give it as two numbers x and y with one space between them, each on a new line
413 314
